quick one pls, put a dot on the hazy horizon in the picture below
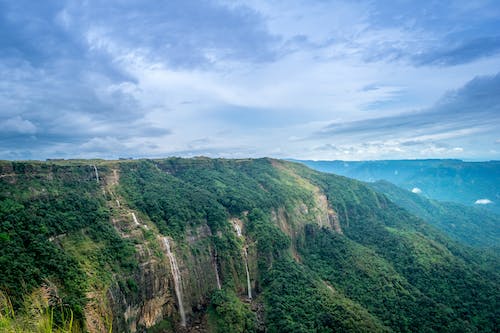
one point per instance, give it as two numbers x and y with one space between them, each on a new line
248 157
316 80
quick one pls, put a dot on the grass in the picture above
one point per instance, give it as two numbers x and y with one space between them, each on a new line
36 316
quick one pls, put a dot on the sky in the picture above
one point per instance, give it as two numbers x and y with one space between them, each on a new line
315 79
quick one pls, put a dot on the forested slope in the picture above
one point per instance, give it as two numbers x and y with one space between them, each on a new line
204 245
473 226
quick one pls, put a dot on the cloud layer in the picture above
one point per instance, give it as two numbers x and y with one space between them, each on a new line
483 202
298 79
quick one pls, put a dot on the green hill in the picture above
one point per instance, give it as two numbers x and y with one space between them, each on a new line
469 225
215 245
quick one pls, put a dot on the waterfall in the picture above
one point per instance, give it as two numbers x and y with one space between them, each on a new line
249 286
135 220
216 270
238 230
177 280
245 259
96 174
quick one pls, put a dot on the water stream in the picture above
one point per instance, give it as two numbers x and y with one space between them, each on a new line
136 222
96 174
238 230
249 286
177 280
245 259
216 270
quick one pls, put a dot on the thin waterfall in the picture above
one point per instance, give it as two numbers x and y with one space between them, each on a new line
96 174
216 270
249 286
177 280
136 222
245 259
238 230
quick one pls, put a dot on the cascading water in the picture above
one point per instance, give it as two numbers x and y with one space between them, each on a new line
136 222
177 279
238 230
245 259
216 270
249 286
96 174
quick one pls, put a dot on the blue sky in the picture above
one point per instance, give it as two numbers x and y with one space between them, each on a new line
289 79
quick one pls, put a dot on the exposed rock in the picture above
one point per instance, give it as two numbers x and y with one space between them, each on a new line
334 221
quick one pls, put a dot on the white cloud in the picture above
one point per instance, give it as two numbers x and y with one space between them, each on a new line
416 190
17 125
483 202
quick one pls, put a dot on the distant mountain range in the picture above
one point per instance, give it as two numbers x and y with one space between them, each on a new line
468 183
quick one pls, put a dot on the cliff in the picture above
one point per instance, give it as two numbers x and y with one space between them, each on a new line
203 245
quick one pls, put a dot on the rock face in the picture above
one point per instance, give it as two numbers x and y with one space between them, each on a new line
152 302
154 298
200 272
147 298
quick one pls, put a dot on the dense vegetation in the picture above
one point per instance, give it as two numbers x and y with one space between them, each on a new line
381 270
448 287
425 281
229 314
48 212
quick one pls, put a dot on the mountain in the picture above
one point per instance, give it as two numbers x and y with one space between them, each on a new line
469 225
215 245
468 183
